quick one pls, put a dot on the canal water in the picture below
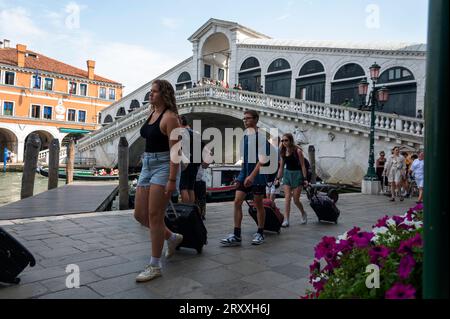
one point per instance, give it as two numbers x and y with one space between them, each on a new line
11 183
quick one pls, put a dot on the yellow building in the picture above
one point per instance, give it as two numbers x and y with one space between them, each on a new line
45 96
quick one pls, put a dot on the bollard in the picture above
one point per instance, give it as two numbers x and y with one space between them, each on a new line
53 164
70 162
312 162
123 174
33 147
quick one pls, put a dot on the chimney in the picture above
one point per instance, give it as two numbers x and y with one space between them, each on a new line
91 68
21 50
6 43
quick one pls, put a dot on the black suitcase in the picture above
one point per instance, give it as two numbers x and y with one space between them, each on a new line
14 258
324 207
186 219
274 218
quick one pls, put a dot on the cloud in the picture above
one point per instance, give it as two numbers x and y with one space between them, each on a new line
16 24
170 23
132 65
283 17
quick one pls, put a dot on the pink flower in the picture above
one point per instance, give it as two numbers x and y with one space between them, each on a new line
314 267
319 285
407 264
398 220
353 232
381 222
344 246
377 253
362 239
326 245
401 291
314 295
406 247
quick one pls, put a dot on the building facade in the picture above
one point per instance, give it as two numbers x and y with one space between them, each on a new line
41 95
327 72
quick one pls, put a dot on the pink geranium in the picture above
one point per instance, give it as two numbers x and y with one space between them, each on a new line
362 239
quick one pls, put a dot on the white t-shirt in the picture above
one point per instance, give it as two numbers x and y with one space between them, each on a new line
417 168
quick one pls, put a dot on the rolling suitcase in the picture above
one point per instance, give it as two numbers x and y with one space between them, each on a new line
274 218
324 207
186 219
14 258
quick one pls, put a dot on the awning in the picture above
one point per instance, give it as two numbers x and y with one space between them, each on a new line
72 130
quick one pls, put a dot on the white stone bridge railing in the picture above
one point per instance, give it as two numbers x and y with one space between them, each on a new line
348 119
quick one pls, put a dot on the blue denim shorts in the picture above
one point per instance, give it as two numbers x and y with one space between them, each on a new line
155 169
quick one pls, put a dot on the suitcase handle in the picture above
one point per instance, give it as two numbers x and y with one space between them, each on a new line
173 208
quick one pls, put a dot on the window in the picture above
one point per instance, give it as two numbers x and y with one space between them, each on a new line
9 78
221 74
71 114
112 94
102 93
207 71
36 82
83 89
8 108
48 112
72 88
36 111
82 116
48 86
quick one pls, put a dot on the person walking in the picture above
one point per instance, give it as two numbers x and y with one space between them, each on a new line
249 181
380 163
394 170
294 173
417 169
158 177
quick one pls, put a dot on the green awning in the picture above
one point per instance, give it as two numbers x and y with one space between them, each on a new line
72 130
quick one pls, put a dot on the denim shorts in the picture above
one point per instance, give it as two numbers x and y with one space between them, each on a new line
155 169
293 179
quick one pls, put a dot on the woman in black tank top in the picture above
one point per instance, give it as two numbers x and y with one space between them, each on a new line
158 177
294 170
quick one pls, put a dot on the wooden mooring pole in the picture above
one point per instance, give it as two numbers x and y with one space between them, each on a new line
33 147
70 162
53 164
312 162
123 174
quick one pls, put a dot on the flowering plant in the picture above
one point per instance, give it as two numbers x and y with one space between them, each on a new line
394 245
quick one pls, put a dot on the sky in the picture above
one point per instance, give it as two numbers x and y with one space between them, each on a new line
134 41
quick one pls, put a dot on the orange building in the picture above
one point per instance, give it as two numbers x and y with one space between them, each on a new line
55 100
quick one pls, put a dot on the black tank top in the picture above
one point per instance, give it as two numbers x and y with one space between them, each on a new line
155 140
292 162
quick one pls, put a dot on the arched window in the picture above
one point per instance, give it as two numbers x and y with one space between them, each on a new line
184 81
402 91
310 85
134 105
280 82
250 75
250 63
108 119
146 98
311 67
279 65
350 70
121 112
344 91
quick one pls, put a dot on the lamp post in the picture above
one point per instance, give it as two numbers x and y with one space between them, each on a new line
377 98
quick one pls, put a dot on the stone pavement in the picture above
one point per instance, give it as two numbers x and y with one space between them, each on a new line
111 248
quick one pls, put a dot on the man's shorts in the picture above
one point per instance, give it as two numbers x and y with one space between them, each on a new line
188 177
258 190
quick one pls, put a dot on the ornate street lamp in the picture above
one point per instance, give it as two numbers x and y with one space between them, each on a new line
377 98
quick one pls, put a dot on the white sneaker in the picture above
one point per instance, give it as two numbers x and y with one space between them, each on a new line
150 272
173 244
285 224
304 219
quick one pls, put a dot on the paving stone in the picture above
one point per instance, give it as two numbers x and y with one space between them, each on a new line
22 291
167 287
297 286
294 271
119 269
59 252
59 283
214 276
116 285
246 267
76 293
137 293
271 293
101 262
66 260
267 279
231 289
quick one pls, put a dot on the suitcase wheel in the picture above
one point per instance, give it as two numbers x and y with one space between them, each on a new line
199 250
178 248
